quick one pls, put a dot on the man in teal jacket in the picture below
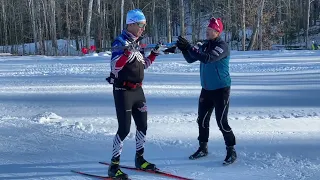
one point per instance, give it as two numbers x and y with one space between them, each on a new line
214 56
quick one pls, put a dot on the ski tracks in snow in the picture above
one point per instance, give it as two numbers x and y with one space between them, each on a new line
175 136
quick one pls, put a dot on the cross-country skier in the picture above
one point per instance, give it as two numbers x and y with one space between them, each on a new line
214 57
127 74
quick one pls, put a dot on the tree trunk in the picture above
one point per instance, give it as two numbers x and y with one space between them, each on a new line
301 22
198 20
81 22
4 16
68 26
122 15
40 30
22 34
155 24
244 25
193 20
279 11
54 27
46 28
168 21
229 24
182 28
33 21
260 26
257 27
89 24
103 30
115 21
308 22
15 36
289 20
316 9
106 28
58 21
99 22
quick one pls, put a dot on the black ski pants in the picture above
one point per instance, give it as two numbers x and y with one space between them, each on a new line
130 102
217 100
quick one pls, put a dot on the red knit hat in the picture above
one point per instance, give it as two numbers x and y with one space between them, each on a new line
216 24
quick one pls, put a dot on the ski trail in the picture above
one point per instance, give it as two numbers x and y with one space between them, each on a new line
166 161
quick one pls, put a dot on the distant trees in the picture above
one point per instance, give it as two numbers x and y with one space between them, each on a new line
249 24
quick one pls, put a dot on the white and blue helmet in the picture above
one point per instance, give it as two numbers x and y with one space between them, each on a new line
134 16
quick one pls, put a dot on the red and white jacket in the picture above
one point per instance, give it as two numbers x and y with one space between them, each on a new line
128 66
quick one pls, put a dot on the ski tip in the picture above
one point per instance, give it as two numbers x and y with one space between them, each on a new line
105 163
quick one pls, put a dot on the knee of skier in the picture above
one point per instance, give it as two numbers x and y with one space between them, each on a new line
224 127
203 123
123 132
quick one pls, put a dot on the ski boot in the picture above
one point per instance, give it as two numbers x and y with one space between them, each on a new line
115 172
141 163
201 152
231 155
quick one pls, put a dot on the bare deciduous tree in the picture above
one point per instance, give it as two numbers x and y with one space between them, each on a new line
168 20
243 25
4 16
257 26
88 32
54 26
182 18
308 21
33 21
122 15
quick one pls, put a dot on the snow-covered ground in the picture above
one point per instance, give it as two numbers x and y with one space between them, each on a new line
57 114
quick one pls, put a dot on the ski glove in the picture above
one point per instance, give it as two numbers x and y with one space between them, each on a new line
183 43
131 48
156 50
111 78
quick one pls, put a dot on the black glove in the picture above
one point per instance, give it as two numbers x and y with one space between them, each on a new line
170 49
183 43
111 78
156 50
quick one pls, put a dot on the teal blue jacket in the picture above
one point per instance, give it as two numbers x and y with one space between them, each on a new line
214 57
